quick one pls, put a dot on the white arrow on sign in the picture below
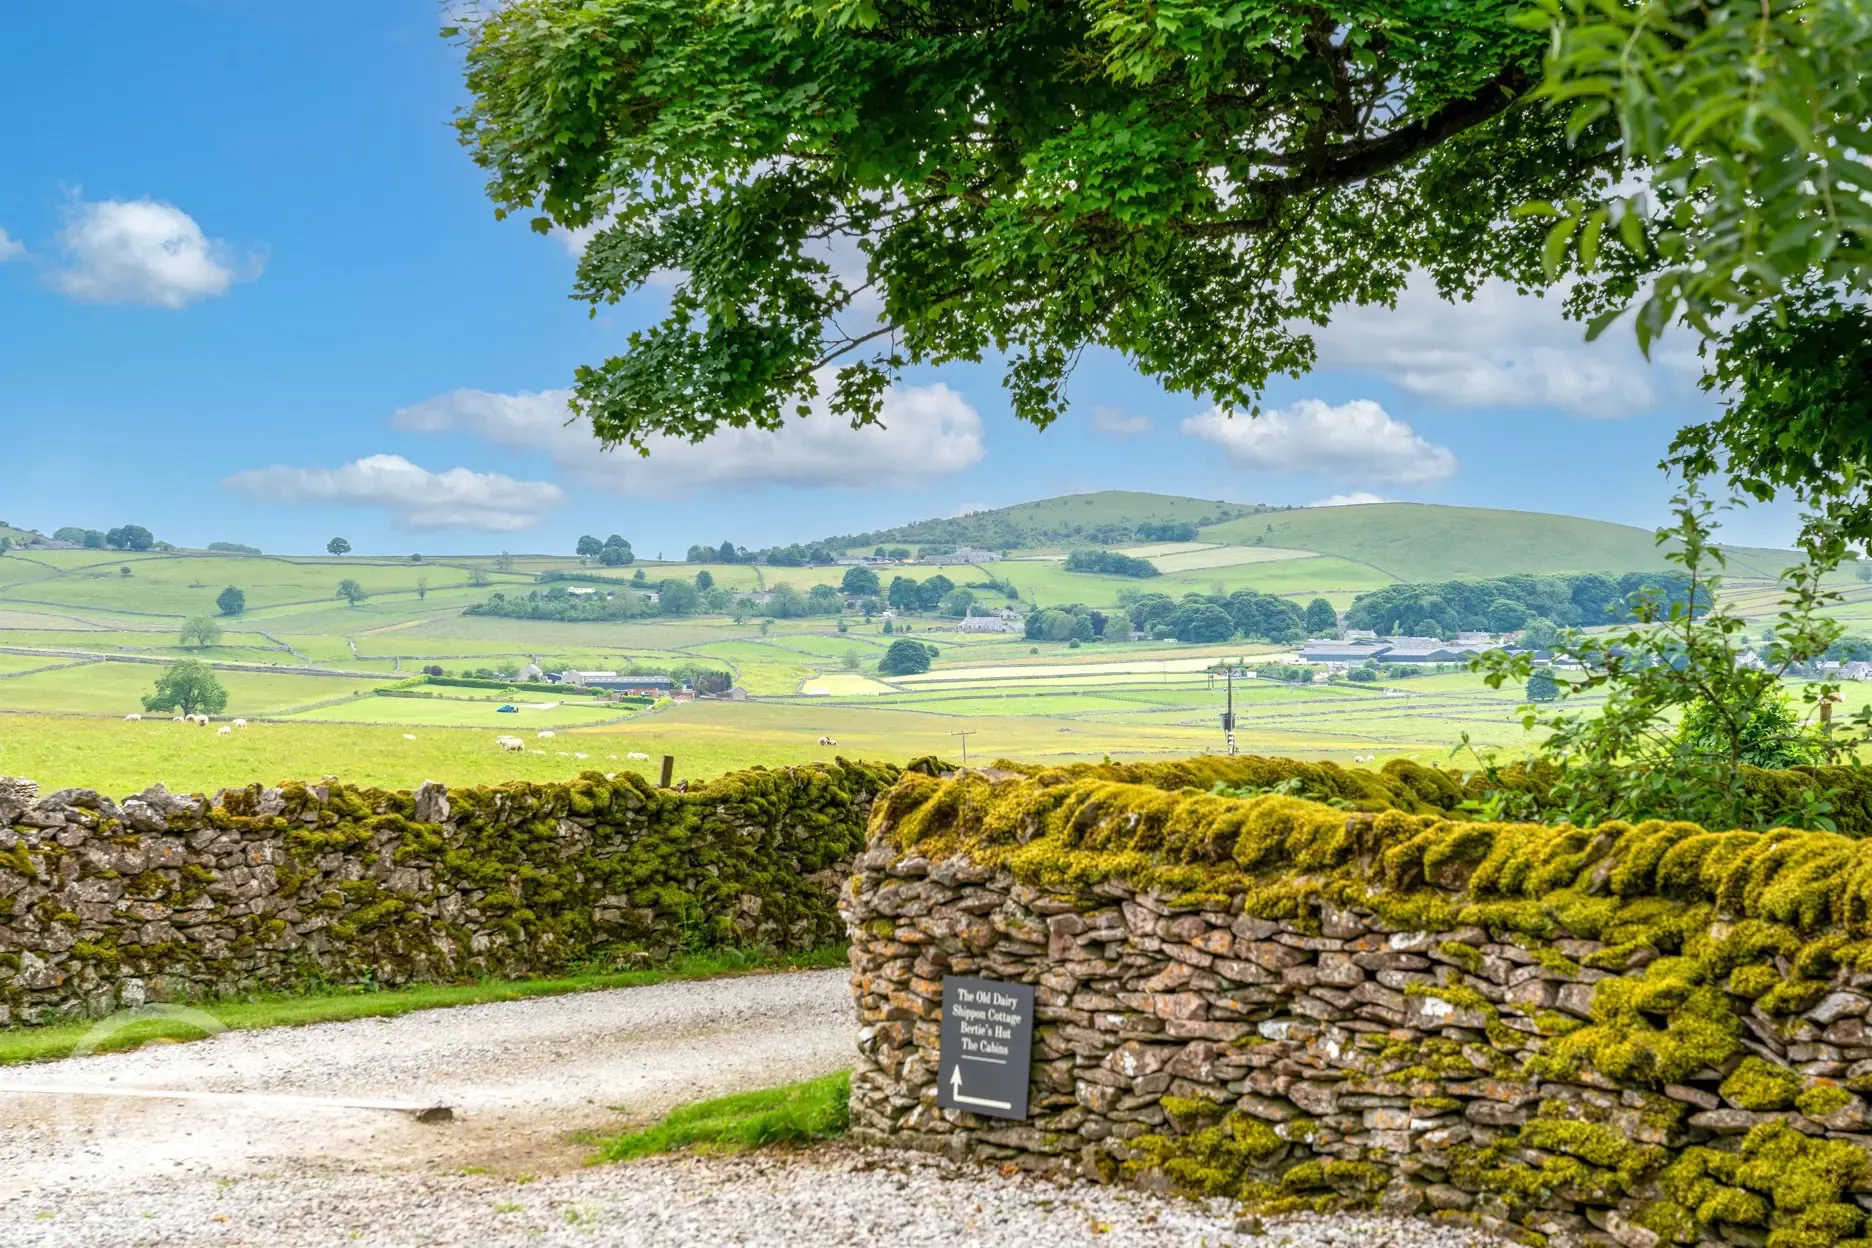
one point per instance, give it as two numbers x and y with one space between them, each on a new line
955 1093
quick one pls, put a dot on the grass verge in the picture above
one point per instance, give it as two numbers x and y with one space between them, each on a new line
797 1113
35 1044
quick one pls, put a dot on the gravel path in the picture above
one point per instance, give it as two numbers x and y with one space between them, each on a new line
529 1081
830 1198
525 1078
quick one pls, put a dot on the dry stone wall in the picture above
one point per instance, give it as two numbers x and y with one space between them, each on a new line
163 897
1623 1035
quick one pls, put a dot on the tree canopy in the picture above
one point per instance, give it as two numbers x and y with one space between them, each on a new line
232 600
1187 184
189 686
845 188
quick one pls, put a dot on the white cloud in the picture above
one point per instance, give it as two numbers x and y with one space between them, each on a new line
1358 498
10 248
1356 441
143 251
926 431
1114 420
1500 349
419 499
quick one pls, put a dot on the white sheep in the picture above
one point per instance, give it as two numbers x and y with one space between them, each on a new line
511 745
559 754
638 755
240 723
178 719
536 751
133 719
827 741
409 736
545 734
581 756
224 731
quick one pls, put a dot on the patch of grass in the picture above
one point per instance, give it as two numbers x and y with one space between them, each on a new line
38 1044
796 1113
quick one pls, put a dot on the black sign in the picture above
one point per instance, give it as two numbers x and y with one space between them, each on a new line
987 1041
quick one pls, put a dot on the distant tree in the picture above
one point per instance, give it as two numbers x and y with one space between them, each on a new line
503 562
899 553
1506 615
1540 634
704 581
93 540
200 630
785 602
6 544
129 537
677 598
352 592
824 600
905 658
639 577
124 571
189 686
1542 687
850 660
717 598
957 602
69 533
1320 617
614 556
337 546
422 588
859 582
588 546
233 548
1863 569
231 601
415 558
433 669
903 593
930 593
728 554
477 578
1202 623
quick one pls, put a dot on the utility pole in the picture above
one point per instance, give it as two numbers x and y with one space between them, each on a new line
965 735
1228 714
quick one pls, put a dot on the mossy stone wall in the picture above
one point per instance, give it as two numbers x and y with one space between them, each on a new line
164 897
1628 1034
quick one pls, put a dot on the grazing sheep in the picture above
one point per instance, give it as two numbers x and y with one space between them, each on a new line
536 751
827 741
512 745
577 755
178 719
240 723
544 734
559 753
224 731
133 719
409 736
638 755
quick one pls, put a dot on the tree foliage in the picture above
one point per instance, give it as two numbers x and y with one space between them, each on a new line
200 630
231 601
189 686
337 546
1681 713
352 592
905 658
1188 184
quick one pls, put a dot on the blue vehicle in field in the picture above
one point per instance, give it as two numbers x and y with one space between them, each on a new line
506 710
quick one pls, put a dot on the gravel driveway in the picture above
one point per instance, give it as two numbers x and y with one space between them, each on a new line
529 1081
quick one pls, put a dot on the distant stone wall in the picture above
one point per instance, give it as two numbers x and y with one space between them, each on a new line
1622 1035
164 897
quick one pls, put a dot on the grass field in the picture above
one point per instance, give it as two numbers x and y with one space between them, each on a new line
61 716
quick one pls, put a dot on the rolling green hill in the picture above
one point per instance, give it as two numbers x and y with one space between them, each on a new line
1427 542
1107 516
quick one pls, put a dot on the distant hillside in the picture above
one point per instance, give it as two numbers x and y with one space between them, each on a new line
1107 516
1426 542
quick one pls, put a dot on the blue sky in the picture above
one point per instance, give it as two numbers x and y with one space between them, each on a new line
250 290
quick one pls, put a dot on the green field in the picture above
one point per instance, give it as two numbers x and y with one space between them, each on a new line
81 643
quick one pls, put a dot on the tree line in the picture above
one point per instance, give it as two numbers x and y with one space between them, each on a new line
1508 603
